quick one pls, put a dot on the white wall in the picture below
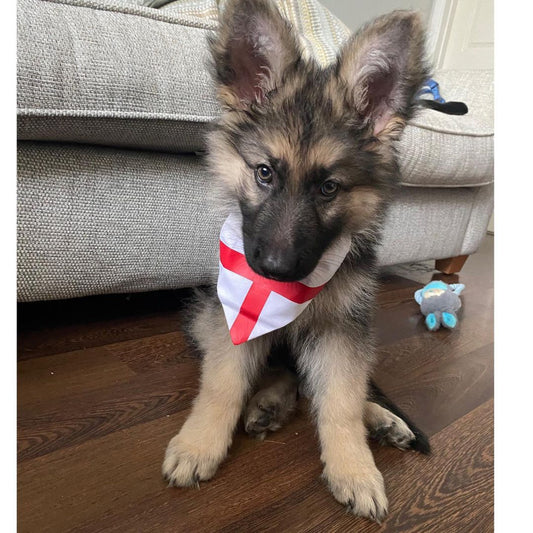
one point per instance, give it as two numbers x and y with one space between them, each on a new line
354 13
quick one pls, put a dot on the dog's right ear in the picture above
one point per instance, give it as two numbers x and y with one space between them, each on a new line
251 50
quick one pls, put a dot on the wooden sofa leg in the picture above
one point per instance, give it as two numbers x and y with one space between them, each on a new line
451 265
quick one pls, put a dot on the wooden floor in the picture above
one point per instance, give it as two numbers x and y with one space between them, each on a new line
104 383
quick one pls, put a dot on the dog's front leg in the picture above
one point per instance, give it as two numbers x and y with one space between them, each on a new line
228 371
336 367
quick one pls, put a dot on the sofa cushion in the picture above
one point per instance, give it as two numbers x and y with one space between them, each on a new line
90 71
114 73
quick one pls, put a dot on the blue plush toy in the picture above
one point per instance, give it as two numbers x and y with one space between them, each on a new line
439 302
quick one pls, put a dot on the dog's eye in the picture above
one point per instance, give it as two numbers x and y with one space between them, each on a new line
263 174
329 188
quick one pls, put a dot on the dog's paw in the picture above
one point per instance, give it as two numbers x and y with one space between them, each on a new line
269 409
186 465
262 417
363 494
393 432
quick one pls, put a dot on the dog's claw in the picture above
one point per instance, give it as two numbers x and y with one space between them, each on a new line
376 516
350 506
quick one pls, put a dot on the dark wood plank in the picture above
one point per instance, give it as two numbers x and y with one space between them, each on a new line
77 418
94 321
155 352
71 337
439 393
45 381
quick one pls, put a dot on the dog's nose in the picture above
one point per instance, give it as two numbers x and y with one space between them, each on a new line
279 265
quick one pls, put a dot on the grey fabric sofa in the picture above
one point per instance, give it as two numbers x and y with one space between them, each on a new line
114 99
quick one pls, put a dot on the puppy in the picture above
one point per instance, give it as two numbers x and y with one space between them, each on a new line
307 155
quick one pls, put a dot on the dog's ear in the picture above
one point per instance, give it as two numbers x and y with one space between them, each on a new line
382 66
252 49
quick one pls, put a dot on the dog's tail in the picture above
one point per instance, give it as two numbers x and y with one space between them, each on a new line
420 442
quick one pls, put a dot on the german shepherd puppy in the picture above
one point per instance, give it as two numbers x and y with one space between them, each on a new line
307 155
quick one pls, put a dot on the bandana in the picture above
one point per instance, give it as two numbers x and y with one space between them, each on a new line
254 305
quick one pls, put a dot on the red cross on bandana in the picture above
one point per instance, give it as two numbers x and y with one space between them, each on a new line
255 305
258 293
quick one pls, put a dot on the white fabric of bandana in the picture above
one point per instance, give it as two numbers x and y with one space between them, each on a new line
254 305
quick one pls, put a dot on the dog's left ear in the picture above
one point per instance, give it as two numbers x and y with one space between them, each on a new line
382 67
251 51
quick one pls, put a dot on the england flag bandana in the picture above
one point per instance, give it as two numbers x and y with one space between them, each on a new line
254 305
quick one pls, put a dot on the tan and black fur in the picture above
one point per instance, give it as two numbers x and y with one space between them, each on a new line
307 154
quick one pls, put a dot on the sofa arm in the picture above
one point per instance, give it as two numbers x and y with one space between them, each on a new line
439 150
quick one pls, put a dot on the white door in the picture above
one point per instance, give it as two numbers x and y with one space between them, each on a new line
463 34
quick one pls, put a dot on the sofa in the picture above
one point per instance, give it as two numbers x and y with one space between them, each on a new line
114 99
